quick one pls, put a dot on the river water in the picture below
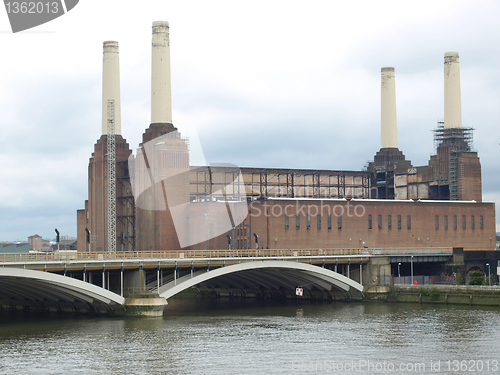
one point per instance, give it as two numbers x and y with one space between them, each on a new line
207 337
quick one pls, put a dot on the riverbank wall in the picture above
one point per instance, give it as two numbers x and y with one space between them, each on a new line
438 294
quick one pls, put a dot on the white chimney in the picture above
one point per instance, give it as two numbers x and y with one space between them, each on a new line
452 98
161 96
389 127
111 85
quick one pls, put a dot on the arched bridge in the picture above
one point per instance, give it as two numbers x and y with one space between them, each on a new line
263 277
44 288
45 291
115 282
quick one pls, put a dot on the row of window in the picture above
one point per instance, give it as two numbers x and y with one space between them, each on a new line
389 222
308 221
408 222
464 222
241 231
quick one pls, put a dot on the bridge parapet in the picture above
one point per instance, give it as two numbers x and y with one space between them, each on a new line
210 254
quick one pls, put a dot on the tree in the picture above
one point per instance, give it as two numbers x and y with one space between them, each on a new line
476 277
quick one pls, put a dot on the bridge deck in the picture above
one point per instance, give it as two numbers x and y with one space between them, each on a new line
210 254
73 261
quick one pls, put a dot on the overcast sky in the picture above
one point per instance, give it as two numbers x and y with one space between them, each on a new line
287 84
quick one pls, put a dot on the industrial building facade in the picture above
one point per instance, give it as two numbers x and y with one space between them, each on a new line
356 223
163 203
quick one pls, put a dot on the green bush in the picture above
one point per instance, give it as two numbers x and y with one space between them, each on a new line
460 279
393 292
435 293
476 277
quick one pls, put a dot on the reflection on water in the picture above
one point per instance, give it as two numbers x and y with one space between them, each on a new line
226 337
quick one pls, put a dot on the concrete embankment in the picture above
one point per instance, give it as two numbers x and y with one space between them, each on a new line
440 294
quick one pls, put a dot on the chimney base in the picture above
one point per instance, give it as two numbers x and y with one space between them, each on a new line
156 130
390 158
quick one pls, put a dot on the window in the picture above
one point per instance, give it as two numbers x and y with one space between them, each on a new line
287 222
389 221
318 219
464 222
481 223
437 221
297 221
445 222
369 221
329 221
399 221
379 221
408 221
308 221
455 222
340 221
472 222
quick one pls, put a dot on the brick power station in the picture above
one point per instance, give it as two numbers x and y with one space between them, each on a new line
163 203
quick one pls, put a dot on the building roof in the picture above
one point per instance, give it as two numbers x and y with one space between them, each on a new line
14 247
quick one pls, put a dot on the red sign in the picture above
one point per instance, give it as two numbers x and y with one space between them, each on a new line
299 291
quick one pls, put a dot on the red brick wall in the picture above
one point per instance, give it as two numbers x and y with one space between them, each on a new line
98 191
469 177
267 220
167 167
81 242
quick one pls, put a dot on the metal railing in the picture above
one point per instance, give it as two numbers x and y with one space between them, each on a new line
210 254
412 251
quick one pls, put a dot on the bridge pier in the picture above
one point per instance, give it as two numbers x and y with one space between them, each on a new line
134 281
380 271
140 302
145 304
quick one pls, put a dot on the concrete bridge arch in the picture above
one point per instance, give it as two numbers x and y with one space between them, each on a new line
25 289
268 275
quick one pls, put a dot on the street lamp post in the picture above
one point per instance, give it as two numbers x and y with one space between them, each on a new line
58 238
399 272
489 274
412 270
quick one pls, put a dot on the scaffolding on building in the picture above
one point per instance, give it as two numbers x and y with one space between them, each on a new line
111 158
460 139
452 142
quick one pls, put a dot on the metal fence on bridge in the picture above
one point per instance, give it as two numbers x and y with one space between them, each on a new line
210 254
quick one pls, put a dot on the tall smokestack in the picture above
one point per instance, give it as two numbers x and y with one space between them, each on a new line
161 96
452 99
111 85
389 127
